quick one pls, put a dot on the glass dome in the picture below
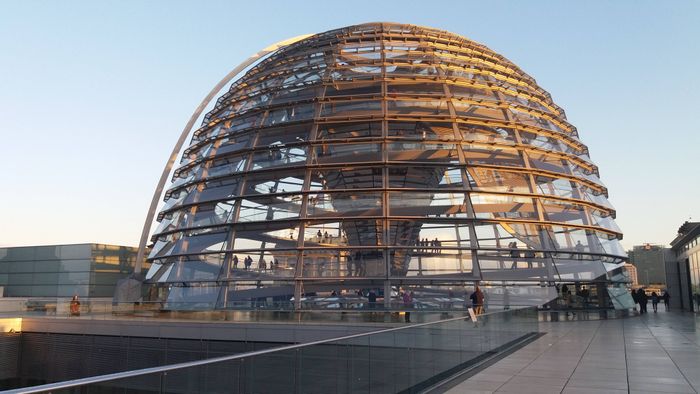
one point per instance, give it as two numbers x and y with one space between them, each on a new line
380 156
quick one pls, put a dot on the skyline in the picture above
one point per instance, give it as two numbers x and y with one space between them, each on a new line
137 72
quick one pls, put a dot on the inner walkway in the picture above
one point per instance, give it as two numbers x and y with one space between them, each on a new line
654 353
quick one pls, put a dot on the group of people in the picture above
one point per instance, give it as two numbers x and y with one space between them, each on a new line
427 246
515 253
262 264
640 297
324 237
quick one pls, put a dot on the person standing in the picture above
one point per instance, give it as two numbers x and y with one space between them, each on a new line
643 300
635 298
75 306
408 305
666 298
514 254
654 300
579 250
477 298
372 299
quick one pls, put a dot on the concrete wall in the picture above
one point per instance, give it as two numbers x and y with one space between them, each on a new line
222 331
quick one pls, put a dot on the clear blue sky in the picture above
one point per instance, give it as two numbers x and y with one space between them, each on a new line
94 94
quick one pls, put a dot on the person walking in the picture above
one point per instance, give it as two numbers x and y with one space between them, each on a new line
635 298
666 298
654 300
643 300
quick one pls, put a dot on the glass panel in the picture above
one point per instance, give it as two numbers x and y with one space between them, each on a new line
427 262
213 190
196 268
548 163
231 144
423 152
346 178
611 245
428 237
224 166
274 182
289 114
344 204
415 108
270 208
575 239
478 154
415 89
575 267
556 186
564 212
486 134
487 179
347 232
266 236
533 119
369 88
605 220
492 206
200 242
471 110
545 142
351 108
283 135
279 156
426 177
412 70
348 153
349 130
472 92
338 262
509 237
421 130
427 204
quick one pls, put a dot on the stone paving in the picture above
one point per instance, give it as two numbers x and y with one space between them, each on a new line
654 353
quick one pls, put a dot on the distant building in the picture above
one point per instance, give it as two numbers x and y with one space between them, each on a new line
685 271
632 271
650 263
88 270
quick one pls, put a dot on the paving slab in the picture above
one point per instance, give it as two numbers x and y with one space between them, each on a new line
652 353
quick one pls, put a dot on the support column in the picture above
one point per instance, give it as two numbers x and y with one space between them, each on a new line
387 294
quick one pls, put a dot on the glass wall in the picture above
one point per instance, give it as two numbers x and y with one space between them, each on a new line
382 166
407 359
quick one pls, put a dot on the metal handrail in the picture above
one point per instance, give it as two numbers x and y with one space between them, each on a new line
146 371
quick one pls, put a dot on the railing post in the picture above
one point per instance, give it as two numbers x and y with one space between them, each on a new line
297 372
162 382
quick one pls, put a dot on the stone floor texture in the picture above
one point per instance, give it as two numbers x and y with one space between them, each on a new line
653 353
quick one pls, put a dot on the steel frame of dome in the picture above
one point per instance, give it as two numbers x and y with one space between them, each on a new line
332 161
